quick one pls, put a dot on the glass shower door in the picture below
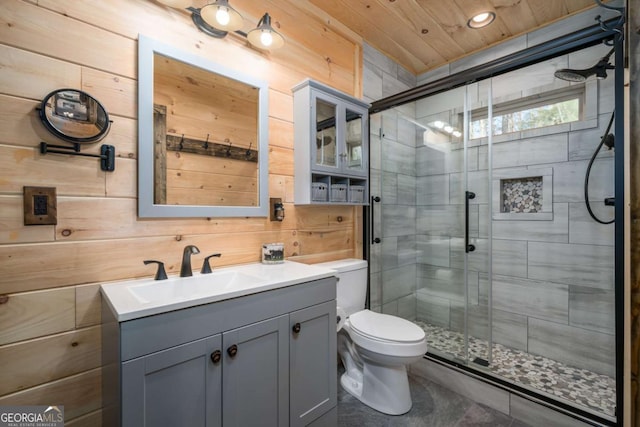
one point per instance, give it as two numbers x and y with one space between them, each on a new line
481 234
452 290
429 202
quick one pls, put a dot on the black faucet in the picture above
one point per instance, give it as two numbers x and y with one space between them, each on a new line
185 268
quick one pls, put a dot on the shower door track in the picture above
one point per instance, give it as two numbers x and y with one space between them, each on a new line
566 44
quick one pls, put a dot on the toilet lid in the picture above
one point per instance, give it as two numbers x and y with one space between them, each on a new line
379 326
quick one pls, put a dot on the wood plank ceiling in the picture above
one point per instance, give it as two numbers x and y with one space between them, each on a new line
424 34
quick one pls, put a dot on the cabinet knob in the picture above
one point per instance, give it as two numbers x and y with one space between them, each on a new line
232 351
296 328
216 356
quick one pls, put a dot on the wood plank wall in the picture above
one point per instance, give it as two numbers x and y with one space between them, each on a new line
49 295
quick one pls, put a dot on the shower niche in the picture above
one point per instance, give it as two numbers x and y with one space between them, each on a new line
523 195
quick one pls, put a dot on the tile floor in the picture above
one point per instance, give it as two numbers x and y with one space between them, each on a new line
586 388
433 406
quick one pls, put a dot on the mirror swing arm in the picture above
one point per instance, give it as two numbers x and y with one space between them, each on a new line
107 153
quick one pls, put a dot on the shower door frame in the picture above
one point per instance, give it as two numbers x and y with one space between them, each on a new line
566 44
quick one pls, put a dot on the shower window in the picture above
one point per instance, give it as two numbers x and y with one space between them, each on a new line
531 112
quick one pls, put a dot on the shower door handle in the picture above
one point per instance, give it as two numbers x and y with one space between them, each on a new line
468 247
374 240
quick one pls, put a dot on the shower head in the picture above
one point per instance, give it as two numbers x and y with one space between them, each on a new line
599 70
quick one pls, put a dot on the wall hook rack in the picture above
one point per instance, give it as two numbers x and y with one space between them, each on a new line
107 153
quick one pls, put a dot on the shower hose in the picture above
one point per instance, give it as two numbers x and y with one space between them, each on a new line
586 178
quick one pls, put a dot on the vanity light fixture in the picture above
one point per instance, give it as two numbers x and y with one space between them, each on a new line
221 16
482 19
264 36
217 19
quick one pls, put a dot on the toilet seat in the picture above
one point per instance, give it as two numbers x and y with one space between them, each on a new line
386 335
383 327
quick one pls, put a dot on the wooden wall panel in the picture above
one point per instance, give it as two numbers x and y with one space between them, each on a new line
34 314
12 228
80 394
19 122
117 94
88 305
34 362
35 29
49 286
280 133
70 175
33 76
123 181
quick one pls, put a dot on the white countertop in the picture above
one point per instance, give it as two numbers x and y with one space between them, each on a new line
137 298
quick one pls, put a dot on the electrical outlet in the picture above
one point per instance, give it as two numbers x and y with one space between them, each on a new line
40 206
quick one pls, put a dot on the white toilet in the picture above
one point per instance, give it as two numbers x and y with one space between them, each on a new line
375 348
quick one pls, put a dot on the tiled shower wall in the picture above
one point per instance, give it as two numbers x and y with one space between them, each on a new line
553 279
393 261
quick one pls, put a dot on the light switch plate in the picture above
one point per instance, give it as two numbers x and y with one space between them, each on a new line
40 206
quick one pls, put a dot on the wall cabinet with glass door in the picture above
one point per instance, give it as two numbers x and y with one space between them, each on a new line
331 146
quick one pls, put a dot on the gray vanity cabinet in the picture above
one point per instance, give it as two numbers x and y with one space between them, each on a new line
255 379
265 359
313 363
173 387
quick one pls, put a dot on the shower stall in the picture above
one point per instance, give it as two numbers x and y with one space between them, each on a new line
479 231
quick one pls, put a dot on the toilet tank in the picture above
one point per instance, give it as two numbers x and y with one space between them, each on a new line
351 289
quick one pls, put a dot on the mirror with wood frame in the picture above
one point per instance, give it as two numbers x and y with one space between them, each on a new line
203 137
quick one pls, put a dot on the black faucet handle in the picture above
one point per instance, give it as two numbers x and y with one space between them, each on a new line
206 268
161 274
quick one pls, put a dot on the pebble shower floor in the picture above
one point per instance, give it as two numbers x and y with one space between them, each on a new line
580 386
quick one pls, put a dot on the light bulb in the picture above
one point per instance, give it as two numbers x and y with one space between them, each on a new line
457 133
480 17
438 124
222 15
448 129
266 38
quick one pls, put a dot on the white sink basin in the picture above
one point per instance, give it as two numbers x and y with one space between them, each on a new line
192 287
132 299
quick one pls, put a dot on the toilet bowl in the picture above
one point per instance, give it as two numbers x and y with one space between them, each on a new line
375 348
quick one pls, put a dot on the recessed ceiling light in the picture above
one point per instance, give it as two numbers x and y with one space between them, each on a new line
481 20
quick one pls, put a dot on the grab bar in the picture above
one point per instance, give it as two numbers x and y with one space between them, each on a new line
468 247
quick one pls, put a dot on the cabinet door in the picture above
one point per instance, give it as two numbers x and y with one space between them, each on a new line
255 384
313 369
325 137
356 148
179 386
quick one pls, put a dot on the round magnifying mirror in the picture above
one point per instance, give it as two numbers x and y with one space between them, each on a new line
74 116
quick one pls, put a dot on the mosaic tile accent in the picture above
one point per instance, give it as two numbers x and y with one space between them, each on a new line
522 195
578 386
